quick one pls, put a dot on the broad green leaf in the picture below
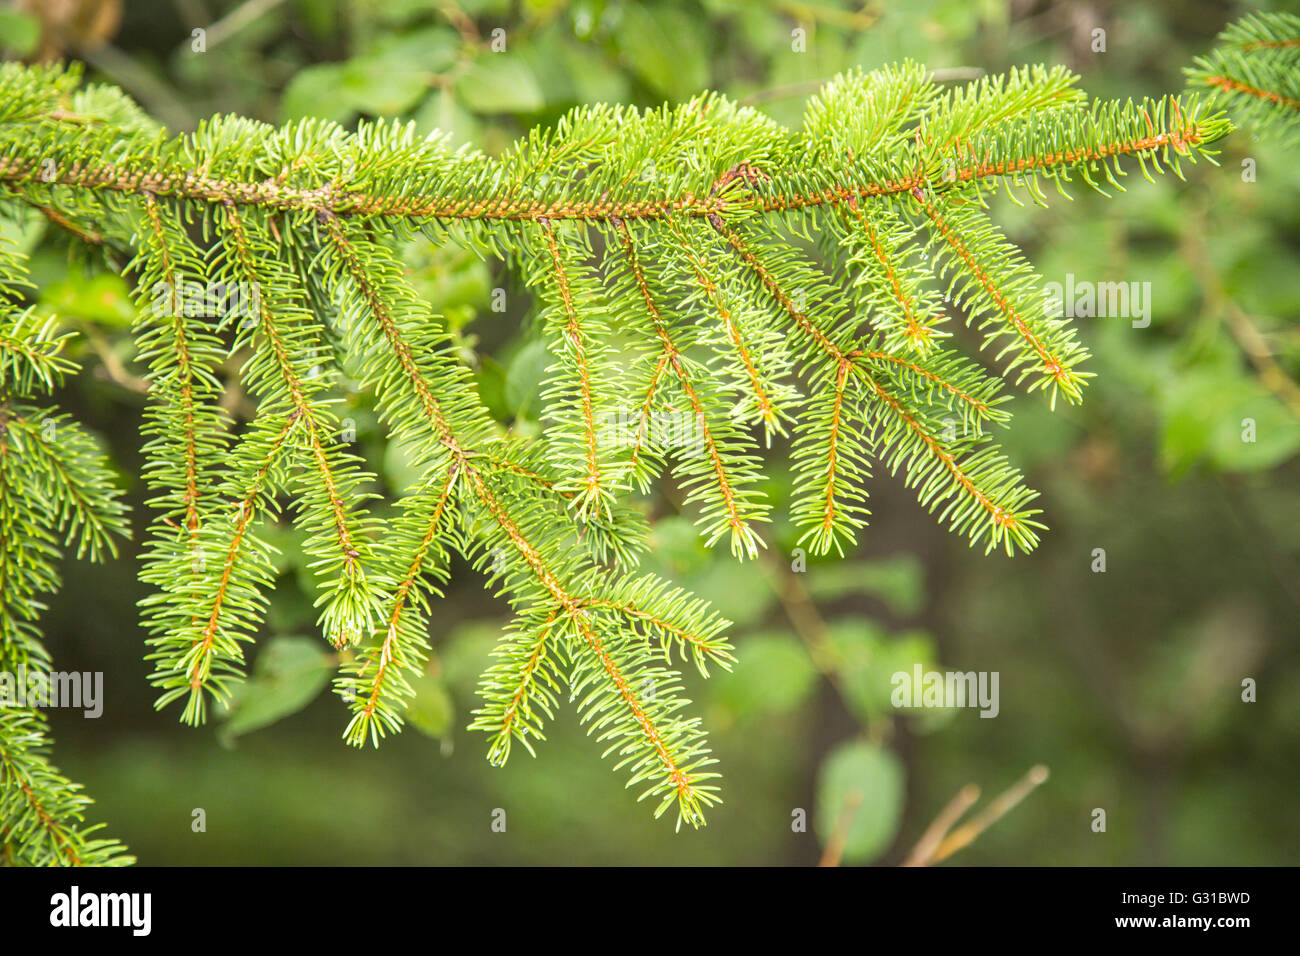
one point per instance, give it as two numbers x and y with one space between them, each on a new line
500 83
466 651
866 659
738 592
316 91
491 380
1260 433
431 709
102 298
662 46
592 79
898 580
374 86
20 32
399 466
676 546
288 675
774 674
442 113
524 379
865 782
428 51
1225 417
379 85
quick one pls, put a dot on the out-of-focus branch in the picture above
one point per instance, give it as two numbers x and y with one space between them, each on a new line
936 831
1218 303
805 620
940 841
835 845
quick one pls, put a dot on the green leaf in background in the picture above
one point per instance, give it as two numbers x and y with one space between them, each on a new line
19 32
1040 438
286 550
288 675
399 467
919 30
1276 433
466 651
321 16
431 710
387 81
663 47
454 282
491 380
591 77
865 659
431 50
898 581
1210 413
373 86
774 674
676 547
441 113
872 778
315 91
102 298
500 83
479 8
524 379
738 592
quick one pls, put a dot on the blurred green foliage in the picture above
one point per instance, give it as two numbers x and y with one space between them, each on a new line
1127 683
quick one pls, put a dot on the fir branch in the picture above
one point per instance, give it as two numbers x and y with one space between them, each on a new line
666 252
918 313
516 688
908 438
521 688
199 620
54 484
755 383
335 526
998 287
1253 70
41 811
576 342
730 503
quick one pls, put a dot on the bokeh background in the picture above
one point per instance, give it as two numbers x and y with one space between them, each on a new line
1126 685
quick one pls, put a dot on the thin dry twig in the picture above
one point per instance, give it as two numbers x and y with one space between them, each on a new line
835 845
925 847
966 834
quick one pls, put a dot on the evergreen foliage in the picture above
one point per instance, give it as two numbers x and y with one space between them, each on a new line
54 484
697 264
1255 71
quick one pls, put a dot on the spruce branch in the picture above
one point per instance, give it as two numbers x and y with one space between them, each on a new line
1253 71
720 476
55 485
697 265
582 380
41 811
504 534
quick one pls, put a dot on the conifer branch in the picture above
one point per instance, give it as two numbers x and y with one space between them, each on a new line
41 811
580 352
996 286
669 255
736 506
54 485
1253 70
512 687
755 383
